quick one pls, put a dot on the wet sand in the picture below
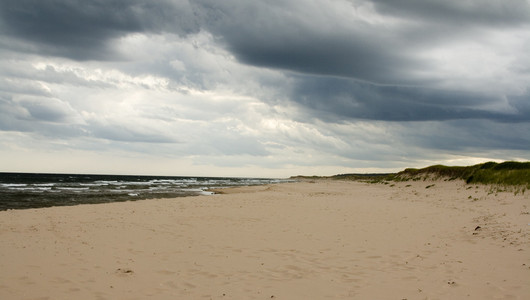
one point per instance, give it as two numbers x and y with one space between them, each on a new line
307 240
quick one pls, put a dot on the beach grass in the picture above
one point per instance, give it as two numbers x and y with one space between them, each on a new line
508 173
505 173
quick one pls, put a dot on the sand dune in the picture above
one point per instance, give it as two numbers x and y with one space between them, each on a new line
305 240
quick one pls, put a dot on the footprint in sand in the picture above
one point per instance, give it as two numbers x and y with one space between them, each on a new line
124 272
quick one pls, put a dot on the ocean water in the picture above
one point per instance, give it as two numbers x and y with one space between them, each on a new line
30 190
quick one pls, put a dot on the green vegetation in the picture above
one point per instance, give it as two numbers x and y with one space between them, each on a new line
506 173
509 173
364 177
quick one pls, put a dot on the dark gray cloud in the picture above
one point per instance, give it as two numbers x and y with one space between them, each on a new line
490 13
438 23
83 29
312 39
350 99
468 136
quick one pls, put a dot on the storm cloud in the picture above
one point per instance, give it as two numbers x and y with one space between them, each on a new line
350 99
313 85
84 30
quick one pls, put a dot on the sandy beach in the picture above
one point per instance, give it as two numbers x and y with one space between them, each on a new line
307 240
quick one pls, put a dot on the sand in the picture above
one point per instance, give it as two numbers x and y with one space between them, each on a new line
307 240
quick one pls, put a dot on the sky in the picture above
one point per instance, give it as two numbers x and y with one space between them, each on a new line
262 88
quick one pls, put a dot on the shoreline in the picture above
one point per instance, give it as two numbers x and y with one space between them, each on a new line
29 190
312 239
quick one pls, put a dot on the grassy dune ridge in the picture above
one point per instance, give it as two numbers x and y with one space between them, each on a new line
506 173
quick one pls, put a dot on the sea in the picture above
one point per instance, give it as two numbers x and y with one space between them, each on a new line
33 190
